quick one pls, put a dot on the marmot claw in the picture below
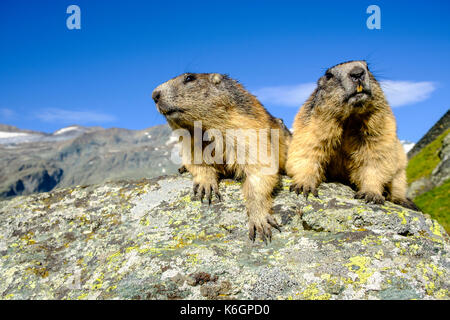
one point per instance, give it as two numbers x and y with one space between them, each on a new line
263 227
205 191
370 197
408 203
306 190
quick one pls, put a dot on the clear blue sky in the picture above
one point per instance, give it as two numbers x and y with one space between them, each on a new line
103 74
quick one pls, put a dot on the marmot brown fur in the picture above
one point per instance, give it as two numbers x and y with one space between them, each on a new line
223 104
346 131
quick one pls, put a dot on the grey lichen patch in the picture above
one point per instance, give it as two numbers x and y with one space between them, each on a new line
398 289
149 240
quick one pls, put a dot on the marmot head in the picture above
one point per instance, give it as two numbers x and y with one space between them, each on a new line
349 83
198 96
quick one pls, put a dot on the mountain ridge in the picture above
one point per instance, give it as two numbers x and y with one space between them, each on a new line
82 155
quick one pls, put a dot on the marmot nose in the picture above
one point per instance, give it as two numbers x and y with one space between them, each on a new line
156 95
357 73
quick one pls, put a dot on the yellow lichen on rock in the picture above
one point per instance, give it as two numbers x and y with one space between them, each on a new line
359 265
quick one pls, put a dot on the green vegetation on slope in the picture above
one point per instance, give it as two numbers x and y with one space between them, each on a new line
436 202
423 163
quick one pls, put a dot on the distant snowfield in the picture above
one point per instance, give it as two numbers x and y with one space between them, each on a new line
7 138
14 138
64 130
7 135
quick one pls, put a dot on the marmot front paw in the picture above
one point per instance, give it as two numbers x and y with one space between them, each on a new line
305 188
206 189
370 197
182 169
262 224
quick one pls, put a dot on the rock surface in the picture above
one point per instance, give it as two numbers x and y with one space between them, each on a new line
148 240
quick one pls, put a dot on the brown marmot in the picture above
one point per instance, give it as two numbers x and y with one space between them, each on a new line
223 106
346 132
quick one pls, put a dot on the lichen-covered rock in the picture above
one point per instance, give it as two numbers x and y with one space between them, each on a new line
148 240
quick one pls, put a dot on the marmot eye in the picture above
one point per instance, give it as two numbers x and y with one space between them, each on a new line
189 78
329 75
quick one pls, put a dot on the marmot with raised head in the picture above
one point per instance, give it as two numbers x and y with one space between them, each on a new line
346 132
223 106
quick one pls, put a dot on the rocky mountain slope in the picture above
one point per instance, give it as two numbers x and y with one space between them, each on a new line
438 129
429 172
148 240
38 162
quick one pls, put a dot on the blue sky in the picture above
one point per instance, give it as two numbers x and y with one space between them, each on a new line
103 74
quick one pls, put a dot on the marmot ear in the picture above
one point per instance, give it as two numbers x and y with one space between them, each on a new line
216 78
321 81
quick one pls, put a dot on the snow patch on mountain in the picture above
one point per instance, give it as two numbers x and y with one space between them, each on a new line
7 135
18 137
66 130
407 145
